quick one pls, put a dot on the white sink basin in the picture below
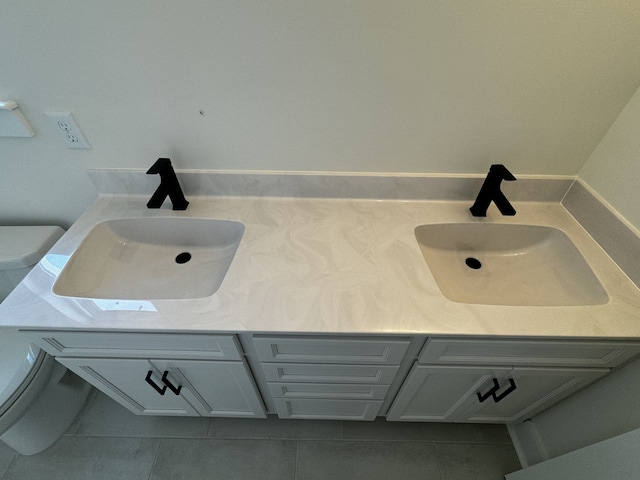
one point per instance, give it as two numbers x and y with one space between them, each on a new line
151 258
505 264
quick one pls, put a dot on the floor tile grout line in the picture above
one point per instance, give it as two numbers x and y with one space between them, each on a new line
9 467
296 438
340 437
74 428
210 428
437 462
155 459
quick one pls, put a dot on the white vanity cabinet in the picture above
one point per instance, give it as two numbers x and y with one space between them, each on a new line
500 381
342 378
436 379
161 374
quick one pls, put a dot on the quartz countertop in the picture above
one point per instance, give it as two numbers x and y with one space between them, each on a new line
325 266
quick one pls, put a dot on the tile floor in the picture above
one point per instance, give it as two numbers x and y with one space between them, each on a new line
107 442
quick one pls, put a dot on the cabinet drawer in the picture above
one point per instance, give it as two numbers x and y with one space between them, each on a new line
455 351
320 390
308 373
327 409
138 345
330 350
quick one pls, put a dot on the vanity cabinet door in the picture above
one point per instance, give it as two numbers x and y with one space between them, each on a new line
484 394
217 389
124 380
526 391
173 387
439 393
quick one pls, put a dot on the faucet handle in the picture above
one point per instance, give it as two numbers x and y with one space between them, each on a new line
502 171
159 166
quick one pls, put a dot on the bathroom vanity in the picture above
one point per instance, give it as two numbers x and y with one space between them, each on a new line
334 377
328 309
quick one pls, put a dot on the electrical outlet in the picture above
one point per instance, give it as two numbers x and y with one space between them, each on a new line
68 128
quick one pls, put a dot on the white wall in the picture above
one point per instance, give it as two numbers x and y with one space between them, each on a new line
333 85
610 406
603 410
615 459
613 170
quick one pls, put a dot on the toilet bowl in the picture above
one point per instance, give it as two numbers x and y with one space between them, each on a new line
39 398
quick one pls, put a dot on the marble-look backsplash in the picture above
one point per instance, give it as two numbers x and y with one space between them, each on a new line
620 242
330 185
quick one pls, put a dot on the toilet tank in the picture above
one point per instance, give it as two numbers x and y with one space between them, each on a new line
20 249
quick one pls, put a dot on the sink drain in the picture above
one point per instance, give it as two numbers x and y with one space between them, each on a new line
473 263
183 257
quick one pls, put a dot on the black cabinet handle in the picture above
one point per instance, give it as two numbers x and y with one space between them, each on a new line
155 386
503 395
171 386
492 393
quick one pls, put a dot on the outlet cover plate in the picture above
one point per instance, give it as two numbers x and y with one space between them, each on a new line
67 127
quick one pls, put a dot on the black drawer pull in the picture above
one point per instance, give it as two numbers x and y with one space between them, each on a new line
155 386
492 393
171 386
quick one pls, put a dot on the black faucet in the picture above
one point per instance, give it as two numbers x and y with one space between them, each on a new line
169 186
490 191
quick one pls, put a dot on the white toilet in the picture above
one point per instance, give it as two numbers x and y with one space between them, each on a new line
39 398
